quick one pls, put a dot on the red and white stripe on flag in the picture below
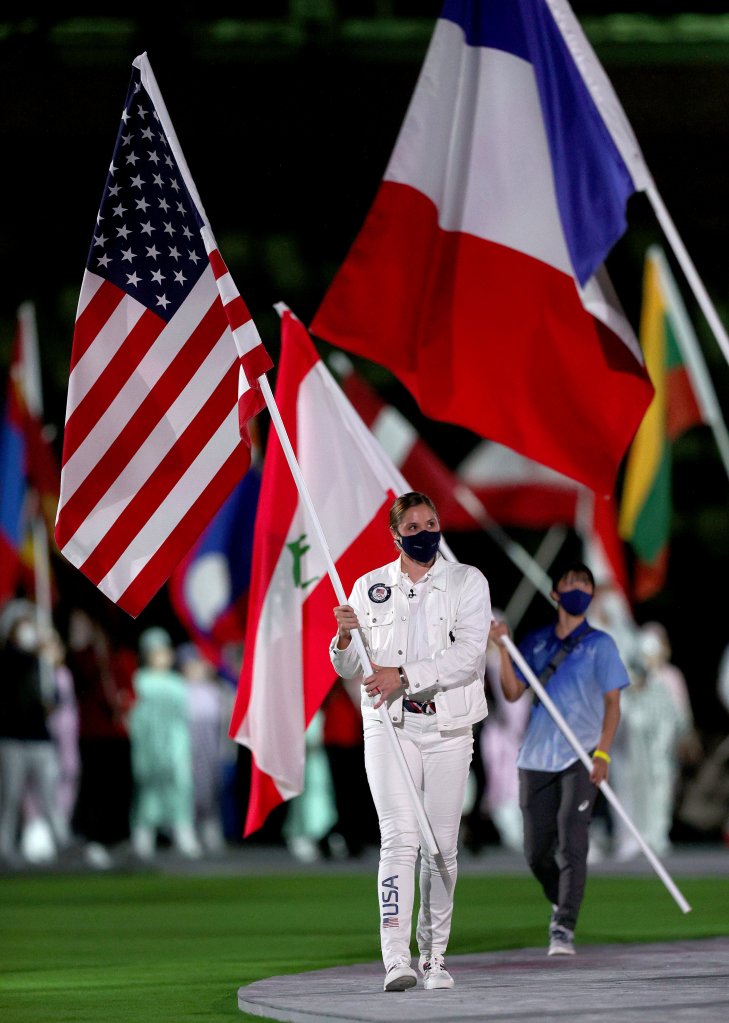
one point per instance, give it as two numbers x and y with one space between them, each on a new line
516 490
420 465
520 492
286 670
155 435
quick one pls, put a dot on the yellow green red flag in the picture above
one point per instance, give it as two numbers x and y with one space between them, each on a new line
646 506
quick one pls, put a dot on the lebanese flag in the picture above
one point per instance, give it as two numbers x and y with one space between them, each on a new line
286 671
477 278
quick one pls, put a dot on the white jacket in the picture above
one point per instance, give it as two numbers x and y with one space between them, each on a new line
457 606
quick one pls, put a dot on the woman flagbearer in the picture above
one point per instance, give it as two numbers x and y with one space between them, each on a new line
425 624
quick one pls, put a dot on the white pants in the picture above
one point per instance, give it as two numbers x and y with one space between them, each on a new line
22 764
439 767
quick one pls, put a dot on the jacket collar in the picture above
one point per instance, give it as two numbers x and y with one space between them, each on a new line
438 573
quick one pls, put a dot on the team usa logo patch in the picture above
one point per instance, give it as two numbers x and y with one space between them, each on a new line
379 593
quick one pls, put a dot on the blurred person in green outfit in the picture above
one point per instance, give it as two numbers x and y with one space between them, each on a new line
159 730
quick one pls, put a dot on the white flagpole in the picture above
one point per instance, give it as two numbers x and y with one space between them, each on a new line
521 598
607 102
41 569
687 265
31 385
424 823
530 566
693 357
604 787
42 578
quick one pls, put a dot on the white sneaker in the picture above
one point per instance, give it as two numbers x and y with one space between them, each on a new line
400 975
144 841
185 841
434 972
561 941
96 855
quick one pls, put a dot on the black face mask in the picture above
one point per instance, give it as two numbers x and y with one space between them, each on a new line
421 547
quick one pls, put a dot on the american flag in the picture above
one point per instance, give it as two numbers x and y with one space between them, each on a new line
163 369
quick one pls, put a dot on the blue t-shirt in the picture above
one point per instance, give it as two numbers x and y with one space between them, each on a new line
576 688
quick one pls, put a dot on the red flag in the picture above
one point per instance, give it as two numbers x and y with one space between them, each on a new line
477 277
604 551
163 369
286 668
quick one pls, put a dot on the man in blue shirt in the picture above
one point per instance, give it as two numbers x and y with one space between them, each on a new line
581 669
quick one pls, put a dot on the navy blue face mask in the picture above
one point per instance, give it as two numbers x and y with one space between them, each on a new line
575 602
421 547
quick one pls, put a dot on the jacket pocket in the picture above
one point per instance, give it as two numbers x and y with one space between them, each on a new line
381 624
462 704
456 701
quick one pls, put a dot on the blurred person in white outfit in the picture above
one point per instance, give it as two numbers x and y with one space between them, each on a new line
656 726
63 726
28 757
206 706
425 624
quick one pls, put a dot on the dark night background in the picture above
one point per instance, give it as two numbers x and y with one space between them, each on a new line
287 113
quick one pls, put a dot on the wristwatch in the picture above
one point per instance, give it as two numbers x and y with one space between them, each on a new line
403 677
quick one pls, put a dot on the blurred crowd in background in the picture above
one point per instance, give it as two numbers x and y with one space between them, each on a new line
111 755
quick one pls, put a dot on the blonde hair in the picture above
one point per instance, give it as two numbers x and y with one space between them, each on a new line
406 501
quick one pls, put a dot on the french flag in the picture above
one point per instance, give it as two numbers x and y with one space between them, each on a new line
478 277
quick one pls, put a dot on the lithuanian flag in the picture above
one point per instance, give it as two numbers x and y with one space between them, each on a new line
645 512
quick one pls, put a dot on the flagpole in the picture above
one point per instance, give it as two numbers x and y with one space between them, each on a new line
603 95
604 787
33 396
522 596
687 265
424 823
514 551
691 351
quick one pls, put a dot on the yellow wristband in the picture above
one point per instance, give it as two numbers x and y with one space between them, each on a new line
602 755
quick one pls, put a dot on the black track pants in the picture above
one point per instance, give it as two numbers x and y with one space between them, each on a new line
556 808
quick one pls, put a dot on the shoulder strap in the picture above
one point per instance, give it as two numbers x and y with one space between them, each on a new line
567 646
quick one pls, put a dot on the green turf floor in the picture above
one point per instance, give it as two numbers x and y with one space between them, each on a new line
138 947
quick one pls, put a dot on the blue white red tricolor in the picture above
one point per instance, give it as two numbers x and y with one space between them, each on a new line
478 276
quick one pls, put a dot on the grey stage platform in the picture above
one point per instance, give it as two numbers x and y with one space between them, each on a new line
677 981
